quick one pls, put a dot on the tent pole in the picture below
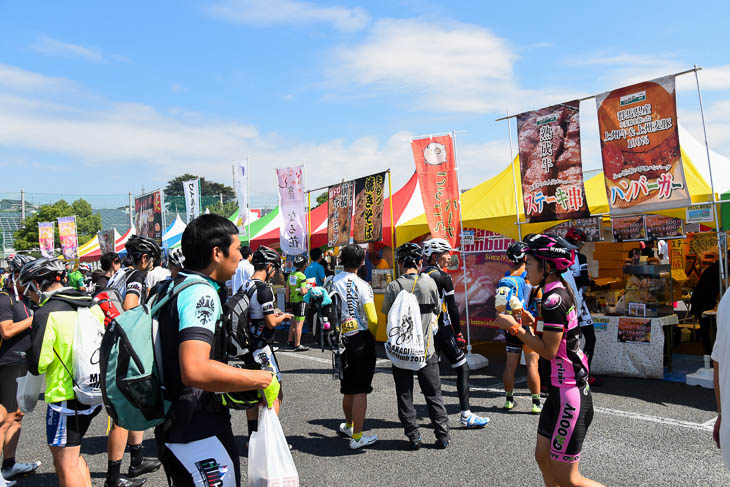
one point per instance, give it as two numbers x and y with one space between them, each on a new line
514 177
392 223
309 221
721 258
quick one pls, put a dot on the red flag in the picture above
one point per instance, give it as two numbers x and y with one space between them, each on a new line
436 168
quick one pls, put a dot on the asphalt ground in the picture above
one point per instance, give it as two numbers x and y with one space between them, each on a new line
644 432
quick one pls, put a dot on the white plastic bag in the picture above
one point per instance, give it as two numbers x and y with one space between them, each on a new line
269 459
86 372
29 388
405 347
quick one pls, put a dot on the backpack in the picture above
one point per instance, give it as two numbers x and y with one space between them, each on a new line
132 379
85 352
119 280
236 312
110 301
405 345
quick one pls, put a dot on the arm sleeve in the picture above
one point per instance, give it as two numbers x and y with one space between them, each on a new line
199 310
372 316
451 306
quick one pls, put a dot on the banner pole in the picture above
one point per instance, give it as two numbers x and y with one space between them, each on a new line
248 206
392 223
474 361
309 221
514 177
721 258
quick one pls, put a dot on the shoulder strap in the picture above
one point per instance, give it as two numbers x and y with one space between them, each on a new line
173 292
414 283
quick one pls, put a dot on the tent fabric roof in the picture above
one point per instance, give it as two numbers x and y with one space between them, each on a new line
173 235
491 204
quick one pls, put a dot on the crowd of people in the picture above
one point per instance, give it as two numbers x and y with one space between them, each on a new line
204 378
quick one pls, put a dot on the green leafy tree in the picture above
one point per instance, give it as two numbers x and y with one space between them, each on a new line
227 209
207 188
322 199
87 223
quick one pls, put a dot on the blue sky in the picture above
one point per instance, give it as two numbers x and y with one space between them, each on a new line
102 98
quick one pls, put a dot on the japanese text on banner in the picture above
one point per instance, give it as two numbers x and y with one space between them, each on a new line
293 232
368 226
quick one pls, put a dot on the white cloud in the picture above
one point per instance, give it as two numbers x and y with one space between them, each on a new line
54 47
14 78
447 66
273 12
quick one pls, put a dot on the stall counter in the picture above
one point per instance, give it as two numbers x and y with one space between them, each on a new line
380 335
629 346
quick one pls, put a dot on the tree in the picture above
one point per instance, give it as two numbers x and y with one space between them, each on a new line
207 188
322 199
87 223
226 210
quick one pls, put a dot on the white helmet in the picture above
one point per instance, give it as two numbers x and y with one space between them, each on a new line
436 246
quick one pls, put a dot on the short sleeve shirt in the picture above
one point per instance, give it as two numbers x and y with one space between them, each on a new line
261 305
316 271
76 280
136 286
296 281
355 294
199 309
12 349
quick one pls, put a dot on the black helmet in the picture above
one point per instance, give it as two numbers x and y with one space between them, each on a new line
138 245
42 270
299 260
266 255
17 261
409 253
176 258
516 252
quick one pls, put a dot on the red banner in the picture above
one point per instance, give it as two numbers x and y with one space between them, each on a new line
436 168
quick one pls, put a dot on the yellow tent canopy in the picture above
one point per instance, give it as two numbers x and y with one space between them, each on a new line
491 204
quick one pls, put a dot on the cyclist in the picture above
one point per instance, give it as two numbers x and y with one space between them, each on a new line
358 326
295 291
198 447
76 278
263 318
437 253
110 264
52 336
143 251
568 411
175 262
15 322
244 271
515 284
409 257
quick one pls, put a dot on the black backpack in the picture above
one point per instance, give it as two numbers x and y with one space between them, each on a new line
235 313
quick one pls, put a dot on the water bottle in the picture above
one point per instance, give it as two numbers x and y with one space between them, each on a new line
325 323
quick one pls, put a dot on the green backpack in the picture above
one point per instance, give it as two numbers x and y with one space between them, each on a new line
132 382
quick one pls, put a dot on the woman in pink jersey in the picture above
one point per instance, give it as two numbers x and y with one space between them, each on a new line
568 411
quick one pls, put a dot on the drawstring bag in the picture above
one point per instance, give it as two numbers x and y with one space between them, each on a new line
406 347
29 388
269 459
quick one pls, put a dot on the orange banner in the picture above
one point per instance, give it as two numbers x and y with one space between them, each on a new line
436 168
642 162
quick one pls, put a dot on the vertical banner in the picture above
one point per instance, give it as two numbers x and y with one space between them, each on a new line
106 241
240 184
293 233
436 168
642 162
69 239
339 213
369 208
148 216
46 239
550 163
192 198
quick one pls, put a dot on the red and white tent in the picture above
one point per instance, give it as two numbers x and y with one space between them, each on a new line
91 251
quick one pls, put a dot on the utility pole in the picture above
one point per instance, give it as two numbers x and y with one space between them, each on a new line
22 205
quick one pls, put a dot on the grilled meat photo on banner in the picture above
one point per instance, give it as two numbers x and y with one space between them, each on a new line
436 168
642 161
339 211
550 163
368 224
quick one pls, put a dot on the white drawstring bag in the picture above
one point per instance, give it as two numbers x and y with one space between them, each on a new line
29 388
406 347
269 460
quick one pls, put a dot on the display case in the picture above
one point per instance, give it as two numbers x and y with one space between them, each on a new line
648 291
381 279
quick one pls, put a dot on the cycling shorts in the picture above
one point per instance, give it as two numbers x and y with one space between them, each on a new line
298 310
514 344
9 385
565 419
203 463
358 364
446 346
67 422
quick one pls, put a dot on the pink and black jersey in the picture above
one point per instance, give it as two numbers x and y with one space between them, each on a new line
569 368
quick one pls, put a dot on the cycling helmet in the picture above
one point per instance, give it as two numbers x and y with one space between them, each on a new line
137 245
516 252
266 255
42 270
299 260
575 235
17 261
550 248
409 253
176 258
84 267
436 246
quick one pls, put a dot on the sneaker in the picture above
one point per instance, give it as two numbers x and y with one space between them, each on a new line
10 483
20 469
300 348
509 403
147 465
345 430
274 349
125 482
415 444
536 408
474 421
364 441
442 443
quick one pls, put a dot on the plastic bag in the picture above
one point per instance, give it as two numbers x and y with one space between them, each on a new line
29 388
269 459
